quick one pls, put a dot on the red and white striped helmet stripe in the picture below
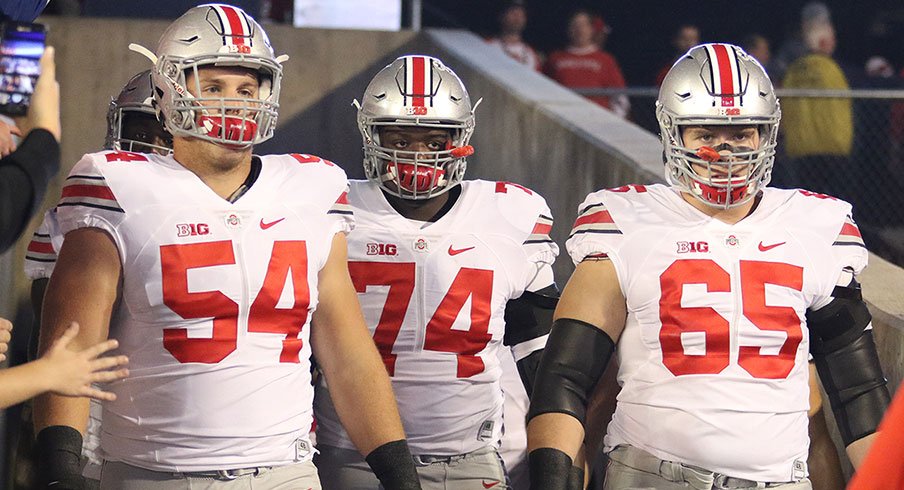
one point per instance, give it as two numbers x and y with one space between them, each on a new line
725 73
418 88
236 28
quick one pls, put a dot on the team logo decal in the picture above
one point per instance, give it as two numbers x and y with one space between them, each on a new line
421 245
382 249
691 247
732 241
192 229
233 220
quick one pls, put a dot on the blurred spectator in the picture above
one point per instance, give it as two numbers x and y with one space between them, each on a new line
26 171
512 22
685 37
819 131
583 64
758 46
794 46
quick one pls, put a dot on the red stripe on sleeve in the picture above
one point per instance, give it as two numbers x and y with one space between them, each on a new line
235 25
417 79
850 230
597 217
80 190
40 247
343 199
541 229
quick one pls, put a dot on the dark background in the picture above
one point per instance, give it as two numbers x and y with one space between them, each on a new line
641 29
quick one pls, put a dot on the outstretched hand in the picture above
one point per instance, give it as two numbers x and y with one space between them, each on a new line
71 373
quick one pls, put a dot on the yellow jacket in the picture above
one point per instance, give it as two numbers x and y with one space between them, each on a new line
817 126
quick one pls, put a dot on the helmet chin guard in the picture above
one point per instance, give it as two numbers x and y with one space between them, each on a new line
416 91
718 85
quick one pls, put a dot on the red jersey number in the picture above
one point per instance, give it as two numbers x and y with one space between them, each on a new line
288 258
754 275
476 284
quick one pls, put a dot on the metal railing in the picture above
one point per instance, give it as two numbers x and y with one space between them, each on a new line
870 176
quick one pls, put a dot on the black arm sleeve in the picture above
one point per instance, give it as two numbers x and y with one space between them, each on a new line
393 466
574 359
58 451
848 363
526 318
24 175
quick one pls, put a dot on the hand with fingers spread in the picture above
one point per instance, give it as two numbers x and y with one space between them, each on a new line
71 373
6 328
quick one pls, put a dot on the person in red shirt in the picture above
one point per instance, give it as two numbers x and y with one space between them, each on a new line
584 64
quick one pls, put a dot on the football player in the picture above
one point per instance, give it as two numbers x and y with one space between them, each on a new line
132 125
220 273
717 289
447 271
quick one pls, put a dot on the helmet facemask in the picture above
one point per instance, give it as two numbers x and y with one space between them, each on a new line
230 121
416 174
724 176
718 85
416 92
140 132
132 123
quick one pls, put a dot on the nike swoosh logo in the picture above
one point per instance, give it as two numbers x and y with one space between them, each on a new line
489 485
452 251
765 248
264 226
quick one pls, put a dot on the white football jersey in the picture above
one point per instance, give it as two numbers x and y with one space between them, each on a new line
434 296
215 305
713 357
41 255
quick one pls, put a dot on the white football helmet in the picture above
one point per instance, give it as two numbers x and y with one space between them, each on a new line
134 101
417 91
217 35
718 84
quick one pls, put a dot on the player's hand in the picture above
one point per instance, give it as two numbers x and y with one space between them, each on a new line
7 143
44 109
6 329
71 373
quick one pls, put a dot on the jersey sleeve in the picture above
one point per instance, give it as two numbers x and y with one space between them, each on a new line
849 256
41 255
848 247
331 184
539 245
595 233
341 216
88 201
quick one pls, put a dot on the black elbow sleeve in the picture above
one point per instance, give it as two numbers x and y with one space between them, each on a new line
575 357
848 364
853 380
